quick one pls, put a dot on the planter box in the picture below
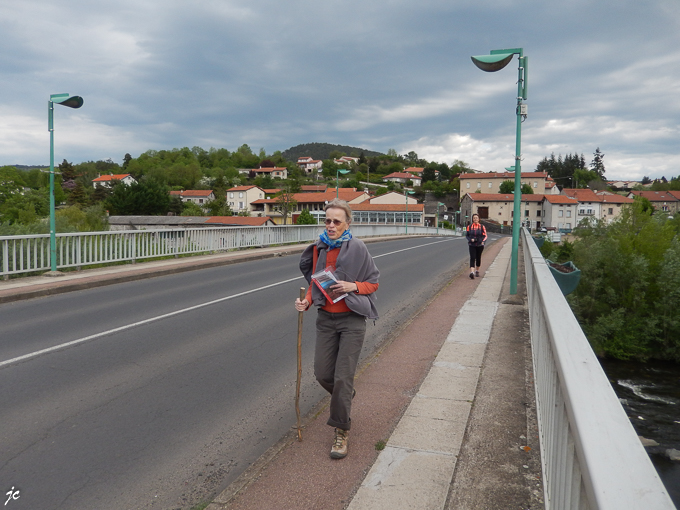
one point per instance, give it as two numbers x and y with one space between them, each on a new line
567 281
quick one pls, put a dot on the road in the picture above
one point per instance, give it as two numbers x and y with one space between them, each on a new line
159 393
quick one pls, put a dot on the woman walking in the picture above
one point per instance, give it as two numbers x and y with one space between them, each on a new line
340 326
476 236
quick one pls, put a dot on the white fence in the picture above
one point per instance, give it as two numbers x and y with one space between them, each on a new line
25 254
592 457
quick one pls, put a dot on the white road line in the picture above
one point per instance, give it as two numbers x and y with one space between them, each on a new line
171 314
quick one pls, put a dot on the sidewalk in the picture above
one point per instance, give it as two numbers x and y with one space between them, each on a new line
444 417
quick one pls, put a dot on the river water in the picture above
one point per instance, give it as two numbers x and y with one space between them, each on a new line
650 394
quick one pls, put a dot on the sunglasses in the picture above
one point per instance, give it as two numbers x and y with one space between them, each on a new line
337 223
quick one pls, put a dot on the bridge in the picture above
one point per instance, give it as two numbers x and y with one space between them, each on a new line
591 456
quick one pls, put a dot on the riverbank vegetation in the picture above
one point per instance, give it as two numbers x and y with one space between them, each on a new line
628 298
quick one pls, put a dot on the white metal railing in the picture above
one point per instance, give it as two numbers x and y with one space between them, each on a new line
31 253
592 458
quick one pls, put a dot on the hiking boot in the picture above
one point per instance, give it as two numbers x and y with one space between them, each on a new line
472 276
339 449
477 274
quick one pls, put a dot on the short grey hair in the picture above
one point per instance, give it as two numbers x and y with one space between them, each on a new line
340 204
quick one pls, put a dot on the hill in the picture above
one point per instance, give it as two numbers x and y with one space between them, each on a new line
323 151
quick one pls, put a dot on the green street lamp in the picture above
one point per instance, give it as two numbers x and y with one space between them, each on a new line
71 102
439 204
337 180
495 61
406 194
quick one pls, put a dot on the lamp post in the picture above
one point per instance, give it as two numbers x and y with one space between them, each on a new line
71 102
439 204
406 194
337 180
495 61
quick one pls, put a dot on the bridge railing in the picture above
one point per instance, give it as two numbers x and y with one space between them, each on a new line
31 253
592 458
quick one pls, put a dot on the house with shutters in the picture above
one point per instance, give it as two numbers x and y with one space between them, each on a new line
106 181
239 198
198 196
491 182
666 201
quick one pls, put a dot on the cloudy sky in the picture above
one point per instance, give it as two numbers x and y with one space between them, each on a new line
376 74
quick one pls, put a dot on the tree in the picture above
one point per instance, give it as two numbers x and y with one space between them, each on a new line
218 206
507 187
145 198
526 189
429 173
126 160
305 218
645 180
189 208
597 164
286 202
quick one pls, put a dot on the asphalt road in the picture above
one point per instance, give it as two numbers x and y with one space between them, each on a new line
166 389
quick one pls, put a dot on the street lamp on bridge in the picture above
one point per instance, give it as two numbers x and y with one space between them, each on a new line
71 102
495 61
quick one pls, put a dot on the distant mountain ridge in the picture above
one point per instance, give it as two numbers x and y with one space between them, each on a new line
323 151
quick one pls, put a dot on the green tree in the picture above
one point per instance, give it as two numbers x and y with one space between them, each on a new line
145 198
626 267
598 164
305 218
191 209
218 206
526 189
285 201
507 187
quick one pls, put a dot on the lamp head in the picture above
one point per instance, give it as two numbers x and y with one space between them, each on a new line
65 100
492 63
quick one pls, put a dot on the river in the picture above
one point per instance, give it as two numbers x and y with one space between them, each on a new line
650 394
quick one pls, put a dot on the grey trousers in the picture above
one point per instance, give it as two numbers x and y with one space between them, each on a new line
339 338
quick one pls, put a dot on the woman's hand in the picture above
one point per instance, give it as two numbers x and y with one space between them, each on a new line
301 306
343 287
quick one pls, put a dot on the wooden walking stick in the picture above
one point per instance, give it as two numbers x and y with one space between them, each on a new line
299 367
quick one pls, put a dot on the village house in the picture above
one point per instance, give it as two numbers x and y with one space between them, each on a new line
403 178
239 198
666 201
346 160
499 207
106 181
308 164
312 202
491 182
197 196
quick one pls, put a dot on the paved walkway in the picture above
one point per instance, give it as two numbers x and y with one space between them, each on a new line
449 405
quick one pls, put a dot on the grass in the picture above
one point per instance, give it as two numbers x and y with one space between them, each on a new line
380 445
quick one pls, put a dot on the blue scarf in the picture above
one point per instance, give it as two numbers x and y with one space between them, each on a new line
346 236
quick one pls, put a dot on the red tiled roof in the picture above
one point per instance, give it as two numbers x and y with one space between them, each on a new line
614 198
196 193
412 169
366 206
402 175
582 195
504 197
502 175
239 220
560 199
320 187
242 188
307 198
657 196
114 177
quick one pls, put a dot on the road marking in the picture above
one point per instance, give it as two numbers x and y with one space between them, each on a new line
171 314
140 323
